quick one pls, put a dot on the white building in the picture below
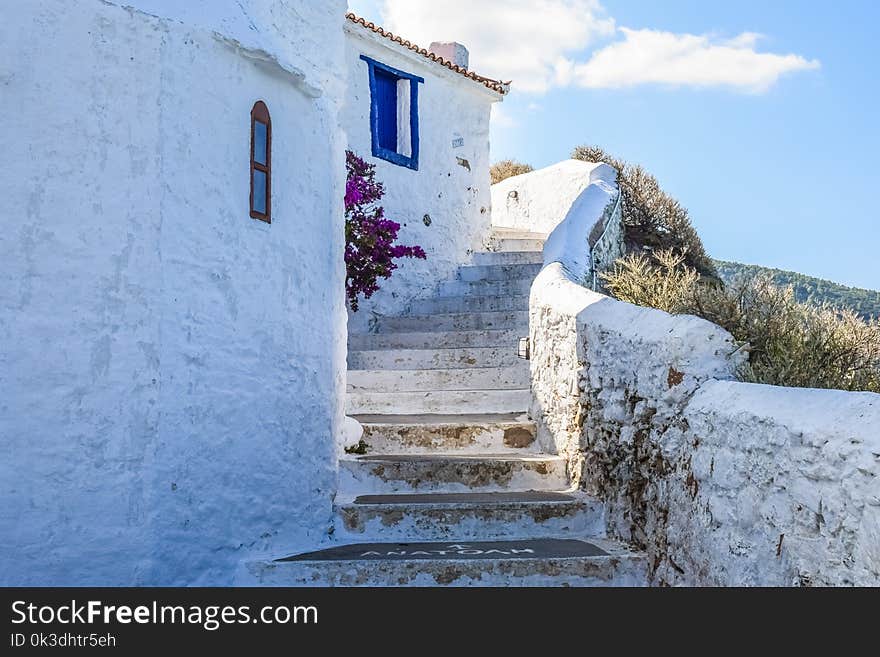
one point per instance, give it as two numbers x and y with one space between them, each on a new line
172 363
436 111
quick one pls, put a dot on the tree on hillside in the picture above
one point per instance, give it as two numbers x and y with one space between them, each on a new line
653 220
808 289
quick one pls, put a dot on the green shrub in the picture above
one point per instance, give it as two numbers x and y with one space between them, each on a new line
507 169
790 343
654 221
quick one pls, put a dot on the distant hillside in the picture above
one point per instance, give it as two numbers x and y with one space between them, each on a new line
807 288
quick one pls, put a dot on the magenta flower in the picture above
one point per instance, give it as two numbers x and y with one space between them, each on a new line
370 250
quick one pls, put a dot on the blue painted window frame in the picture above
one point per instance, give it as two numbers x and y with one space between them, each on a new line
411 162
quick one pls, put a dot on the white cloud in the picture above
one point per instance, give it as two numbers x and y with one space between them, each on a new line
541 44
523 40
649 56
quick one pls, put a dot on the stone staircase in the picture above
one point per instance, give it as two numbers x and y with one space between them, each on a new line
449 480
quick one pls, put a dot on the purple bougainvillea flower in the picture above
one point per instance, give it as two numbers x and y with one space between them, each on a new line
370 249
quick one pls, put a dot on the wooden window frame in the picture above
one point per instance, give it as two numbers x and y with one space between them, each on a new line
260 112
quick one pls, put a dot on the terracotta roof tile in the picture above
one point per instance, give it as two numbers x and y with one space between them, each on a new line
495 85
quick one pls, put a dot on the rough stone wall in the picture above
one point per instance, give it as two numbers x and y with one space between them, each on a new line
791 483
445 206
683 350
721 482
172 371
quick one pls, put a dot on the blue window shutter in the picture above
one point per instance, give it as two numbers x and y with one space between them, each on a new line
384 81
386 92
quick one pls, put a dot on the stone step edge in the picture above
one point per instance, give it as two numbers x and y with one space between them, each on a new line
512 474
439 372
445 419
508 257
516 233
574 495
455 456
462 339
487 400
494 313
427 324
507 433
362 334
481 298
501 347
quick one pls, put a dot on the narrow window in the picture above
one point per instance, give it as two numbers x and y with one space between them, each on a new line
261 163
394 114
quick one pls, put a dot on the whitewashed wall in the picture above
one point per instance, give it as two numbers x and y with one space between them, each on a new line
540 200
721 482
575 204
450 191
171 370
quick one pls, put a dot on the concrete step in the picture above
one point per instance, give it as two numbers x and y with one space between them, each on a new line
509 258
404 434
510 245
468 304
451 473
513 320
470 516
472 273
510 288
512 377
526 562
435 340
500 232
438 401
416 359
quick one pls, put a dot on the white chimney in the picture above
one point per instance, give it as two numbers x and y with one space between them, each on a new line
452 52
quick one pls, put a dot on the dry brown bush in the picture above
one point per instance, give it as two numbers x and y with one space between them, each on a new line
507 169
654 220
659 281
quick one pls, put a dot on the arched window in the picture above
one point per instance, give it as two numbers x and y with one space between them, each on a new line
261 163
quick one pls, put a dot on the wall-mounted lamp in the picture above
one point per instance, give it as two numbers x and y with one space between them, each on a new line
524 350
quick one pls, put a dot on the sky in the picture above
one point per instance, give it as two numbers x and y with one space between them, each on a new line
759 116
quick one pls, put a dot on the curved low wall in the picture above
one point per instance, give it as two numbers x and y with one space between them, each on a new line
576 204
721 482
539 200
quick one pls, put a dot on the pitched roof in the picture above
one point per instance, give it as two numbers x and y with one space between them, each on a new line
495 85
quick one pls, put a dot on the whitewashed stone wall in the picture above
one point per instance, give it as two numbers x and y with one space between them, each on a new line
445 206
540 200
171 370
721 482
792 481
576 204
586 231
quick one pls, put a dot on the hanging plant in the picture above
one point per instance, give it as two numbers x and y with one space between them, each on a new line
370 249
